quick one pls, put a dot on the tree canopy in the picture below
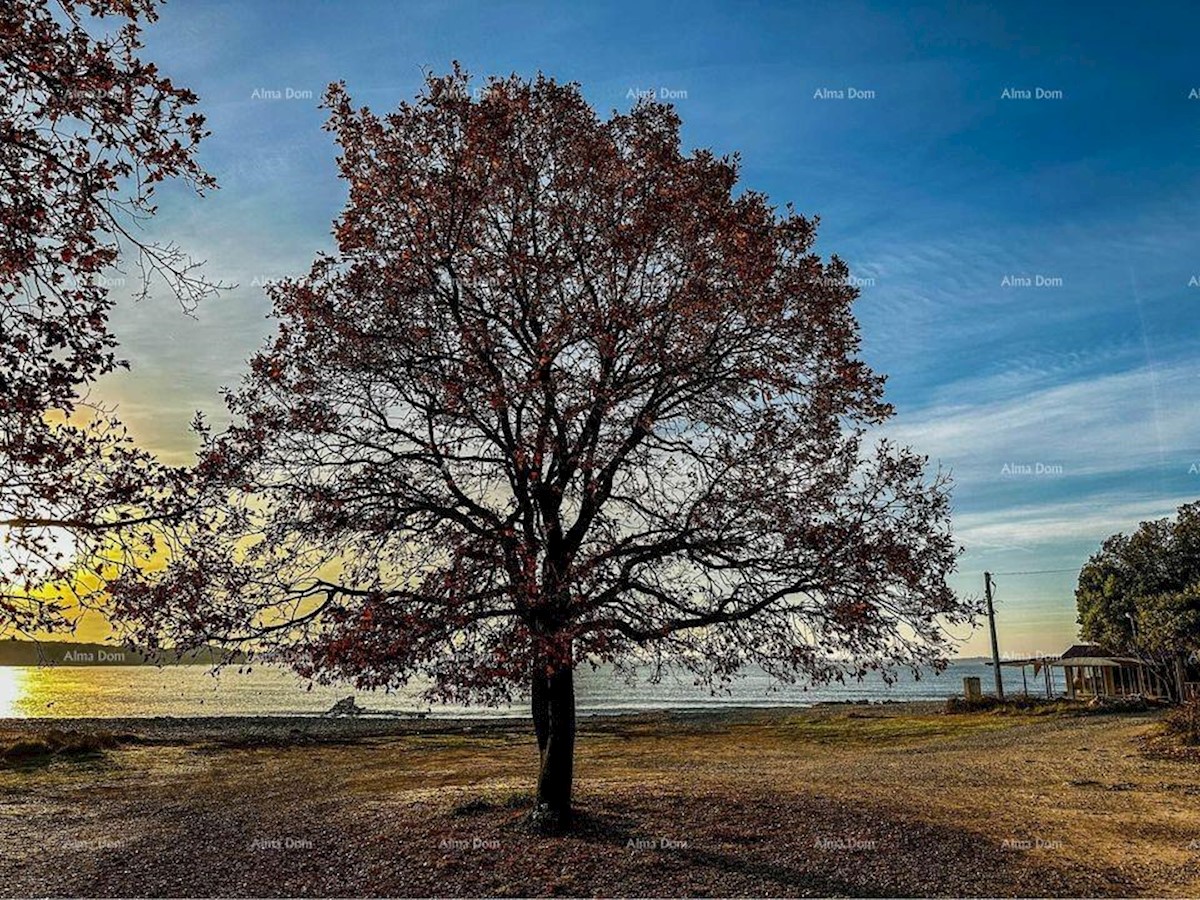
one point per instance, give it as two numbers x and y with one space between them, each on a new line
1153 576
563 395
88 130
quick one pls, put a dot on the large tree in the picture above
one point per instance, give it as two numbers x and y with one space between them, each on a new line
1140 593
563 396
87 132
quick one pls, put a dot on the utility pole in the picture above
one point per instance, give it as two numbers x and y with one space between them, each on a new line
987 590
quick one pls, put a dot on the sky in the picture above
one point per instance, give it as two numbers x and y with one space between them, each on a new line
1013 184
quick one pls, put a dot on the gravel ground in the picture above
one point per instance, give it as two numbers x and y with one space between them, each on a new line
857 801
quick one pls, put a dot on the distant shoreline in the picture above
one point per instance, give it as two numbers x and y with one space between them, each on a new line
85 654
17 653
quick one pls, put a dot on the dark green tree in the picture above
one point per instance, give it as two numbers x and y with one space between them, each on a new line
1140 594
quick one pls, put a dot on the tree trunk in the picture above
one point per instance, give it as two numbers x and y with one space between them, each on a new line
553 704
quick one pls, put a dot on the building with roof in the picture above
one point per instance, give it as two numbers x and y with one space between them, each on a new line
1091 671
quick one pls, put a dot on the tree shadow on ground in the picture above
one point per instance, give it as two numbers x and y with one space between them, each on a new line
291 839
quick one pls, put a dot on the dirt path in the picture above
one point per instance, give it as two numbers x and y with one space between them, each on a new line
879 801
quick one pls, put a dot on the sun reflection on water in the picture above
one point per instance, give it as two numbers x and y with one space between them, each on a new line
12 691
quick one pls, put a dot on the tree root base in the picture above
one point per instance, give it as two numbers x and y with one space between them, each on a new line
544 819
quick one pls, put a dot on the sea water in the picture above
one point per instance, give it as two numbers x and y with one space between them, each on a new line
195 690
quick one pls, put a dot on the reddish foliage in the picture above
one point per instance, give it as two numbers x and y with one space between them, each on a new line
561 395
87 129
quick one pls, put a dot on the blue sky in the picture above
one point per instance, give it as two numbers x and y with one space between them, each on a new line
1063 407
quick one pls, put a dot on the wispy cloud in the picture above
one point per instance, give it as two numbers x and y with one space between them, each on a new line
1126 422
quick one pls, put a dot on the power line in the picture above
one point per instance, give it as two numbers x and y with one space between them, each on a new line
1040 572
